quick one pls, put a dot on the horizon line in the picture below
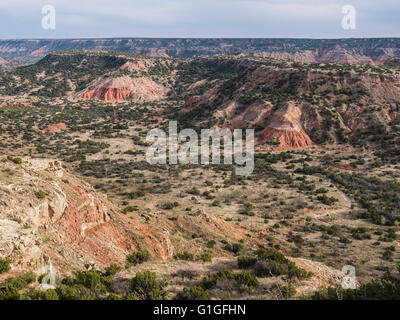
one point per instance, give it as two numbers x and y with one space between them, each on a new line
198 38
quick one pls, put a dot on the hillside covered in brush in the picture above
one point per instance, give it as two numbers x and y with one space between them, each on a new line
76 189
290 104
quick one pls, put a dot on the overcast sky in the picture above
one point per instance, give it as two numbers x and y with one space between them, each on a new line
199 18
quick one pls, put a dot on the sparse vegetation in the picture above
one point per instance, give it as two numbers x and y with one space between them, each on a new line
323 204
138 257
4 265
146 286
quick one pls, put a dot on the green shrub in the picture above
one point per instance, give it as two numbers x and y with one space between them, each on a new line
4 265
68 281
247 279
244 278
288 291
194 191
246 261
211 280
75 292
184 256
273 263
206 257
271 254
146 286
50 294
269 268
235 248
20 282
169 205
329 201
296 272
388 254
138 257
246 212
216 203
129 209
208 195
9 293
40 194
194 293
93 280
211 244
112 270
15 160
114 297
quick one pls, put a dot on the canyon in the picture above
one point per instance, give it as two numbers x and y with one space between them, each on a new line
290 104
354 51
76 189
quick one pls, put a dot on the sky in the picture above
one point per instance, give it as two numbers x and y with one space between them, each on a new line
22 19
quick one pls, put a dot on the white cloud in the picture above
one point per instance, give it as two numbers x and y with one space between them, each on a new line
217 18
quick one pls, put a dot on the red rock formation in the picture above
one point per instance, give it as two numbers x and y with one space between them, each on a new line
134 65
81 226
107 94
287 139
55 127
124 88
73 225
285 128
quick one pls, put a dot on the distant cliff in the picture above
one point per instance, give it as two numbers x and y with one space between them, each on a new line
353 51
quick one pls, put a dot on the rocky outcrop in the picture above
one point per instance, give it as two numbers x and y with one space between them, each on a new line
135 66
323 276
47 213
285 128
107 94
124 88
324 107
293 139
55 127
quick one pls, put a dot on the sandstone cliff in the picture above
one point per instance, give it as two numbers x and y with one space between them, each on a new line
285 128
141 89
46 214
296 105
